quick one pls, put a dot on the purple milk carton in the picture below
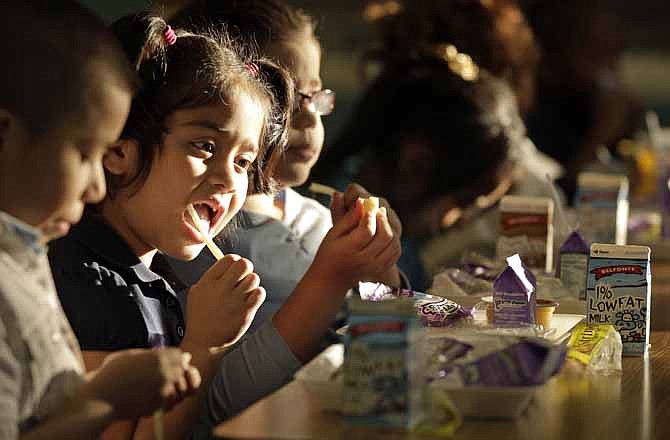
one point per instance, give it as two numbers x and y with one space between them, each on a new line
514 295
573 259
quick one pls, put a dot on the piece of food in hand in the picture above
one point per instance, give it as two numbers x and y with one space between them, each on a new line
370 204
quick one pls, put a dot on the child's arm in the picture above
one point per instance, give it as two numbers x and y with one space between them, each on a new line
268 358
135 428
129 384
78 420
358 247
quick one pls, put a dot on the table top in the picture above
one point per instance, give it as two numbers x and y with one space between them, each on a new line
633 405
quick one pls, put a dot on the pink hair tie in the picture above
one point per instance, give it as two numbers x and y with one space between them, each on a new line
170 36
253 69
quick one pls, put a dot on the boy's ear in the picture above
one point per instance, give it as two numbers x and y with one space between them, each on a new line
122 157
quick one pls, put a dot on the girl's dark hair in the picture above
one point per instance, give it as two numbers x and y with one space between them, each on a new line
199 69
259 23
55 54
470 126
494 33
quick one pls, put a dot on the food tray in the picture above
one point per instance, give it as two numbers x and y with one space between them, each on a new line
490 402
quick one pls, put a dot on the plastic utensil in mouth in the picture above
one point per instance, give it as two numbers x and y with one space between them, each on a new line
213 248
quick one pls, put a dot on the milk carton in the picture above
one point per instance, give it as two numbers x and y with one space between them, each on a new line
573 259
384 377
527 228
618 292
514 295
602 207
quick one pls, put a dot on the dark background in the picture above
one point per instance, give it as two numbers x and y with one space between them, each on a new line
644 67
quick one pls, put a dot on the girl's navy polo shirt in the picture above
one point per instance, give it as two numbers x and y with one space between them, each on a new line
113 301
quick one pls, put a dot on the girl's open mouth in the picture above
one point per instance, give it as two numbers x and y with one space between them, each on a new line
210 213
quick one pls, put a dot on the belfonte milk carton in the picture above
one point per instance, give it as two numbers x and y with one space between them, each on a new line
618 292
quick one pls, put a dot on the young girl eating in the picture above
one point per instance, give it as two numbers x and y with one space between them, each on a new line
205 125
63 99
280 232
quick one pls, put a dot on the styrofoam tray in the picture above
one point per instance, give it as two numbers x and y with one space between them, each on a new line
321 377
490 402
561 325
564 323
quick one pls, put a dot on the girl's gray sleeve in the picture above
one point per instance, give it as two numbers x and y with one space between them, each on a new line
257 366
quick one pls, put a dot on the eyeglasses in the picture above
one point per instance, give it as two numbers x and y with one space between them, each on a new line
321 102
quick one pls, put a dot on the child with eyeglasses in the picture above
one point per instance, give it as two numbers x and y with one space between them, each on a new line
281 232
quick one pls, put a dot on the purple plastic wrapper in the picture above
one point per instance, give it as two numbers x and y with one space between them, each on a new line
441 352
525 363
514 295
439 312
434 311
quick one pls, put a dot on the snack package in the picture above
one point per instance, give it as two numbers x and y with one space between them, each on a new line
500 361
527 228
573 258
602 207
433 311
618 290
597 348
384 372
514 293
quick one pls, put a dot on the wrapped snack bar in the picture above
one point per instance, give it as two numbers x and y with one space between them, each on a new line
433 311
514 293
596 348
